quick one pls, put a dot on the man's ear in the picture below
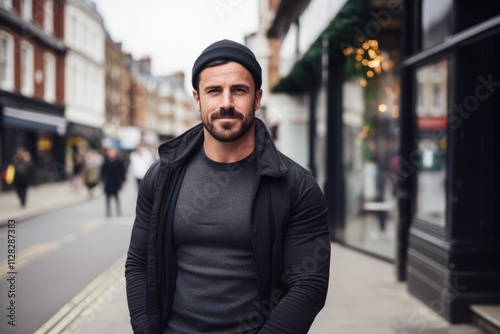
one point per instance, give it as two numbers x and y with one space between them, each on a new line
258 97
196 99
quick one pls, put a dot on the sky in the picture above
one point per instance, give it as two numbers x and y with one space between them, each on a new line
174 32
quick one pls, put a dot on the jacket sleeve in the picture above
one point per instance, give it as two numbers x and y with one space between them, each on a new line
306 263
136 264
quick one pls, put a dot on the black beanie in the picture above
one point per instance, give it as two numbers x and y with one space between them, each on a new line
228 50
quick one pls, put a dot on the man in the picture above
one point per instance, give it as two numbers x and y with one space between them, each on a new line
112 175
140 161
230 235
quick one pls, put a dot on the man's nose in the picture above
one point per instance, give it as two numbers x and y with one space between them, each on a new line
227 100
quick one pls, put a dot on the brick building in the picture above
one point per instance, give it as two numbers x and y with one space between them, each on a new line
32 96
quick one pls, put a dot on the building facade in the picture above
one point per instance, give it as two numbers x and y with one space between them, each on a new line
176 110
410 93
450 80
144 100
118 85
85 73
32 84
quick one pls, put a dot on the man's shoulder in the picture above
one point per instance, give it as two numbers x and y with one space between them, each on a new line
294 168
154 168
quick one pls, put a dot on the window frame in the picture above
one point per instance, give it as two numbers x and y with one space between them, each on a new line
49 69
27 70
48 16
7 4
27 10
8 83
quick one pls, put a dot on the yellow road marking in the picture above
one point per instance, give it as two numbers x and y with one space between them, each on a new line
92 225
36 251
69 237
28 255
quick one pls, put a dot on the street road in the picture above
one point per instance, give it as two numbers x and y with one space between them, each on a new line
57 255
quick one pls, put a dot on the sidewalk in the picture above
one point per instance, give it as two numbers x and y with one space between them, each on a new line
40 199
364 298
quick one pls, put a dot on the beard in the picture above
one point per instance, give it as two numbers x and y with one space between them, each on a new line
228 131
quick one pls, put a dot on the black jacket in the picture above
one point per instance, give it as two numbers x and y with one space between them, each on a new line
113 175
289 234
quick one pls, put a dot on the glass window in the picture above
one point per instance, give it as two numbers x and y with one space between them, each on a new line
6 61
49 77
74 28
430 154
437 21
72 83
27 71
48 21
83 36
6 4
371 139
27 9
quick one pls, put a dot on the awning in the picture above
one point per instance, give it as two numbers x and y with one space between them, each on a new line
34 120
306 73
93 135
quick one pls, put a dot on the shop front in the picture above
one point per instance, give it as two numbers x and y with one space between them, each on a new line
370 143
448 229
350 76
41 133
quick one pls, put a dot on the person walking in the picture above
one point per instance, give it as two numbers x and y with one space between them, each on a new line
76 168
140 161
23 175
112 176
91 169
230 235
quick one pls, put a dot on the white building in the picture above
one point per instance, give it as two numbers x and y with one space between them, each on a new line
85 70
177 112
297 25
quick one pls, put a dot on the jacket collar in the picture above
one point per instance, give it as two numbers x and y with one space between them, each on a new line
269 160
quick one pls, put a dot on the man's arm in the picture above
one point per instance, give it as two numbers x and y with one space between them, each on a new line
136 264
306 262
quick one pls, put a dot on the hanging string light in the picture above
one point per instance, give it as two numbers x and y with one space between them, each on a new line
368 59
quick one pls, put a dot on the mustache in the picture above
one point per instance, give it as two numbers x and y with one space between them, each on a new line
227 113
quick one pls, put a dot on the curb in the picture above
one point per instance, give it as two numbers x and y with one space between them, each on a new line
32 213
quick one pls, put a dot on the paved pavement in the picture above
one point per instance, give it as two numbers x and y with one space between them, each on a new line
364 296
40 199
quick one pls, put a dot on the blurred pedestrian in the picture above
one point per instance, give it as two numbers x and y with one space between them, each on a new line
76 169
92 163
230 236
112 176
23 175
140 161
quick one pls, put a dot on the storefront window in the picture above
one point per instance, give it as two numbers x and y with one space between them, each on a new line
437 21
370 150
430 155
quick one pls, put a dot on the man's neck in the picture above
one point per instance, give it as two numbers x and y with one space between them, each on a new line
228 152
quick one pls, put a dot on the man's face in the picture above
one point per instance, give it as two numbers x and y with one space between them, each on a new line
227 101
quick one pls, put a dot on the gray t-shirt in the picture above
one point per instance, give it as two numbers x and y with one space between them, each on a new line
216 285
